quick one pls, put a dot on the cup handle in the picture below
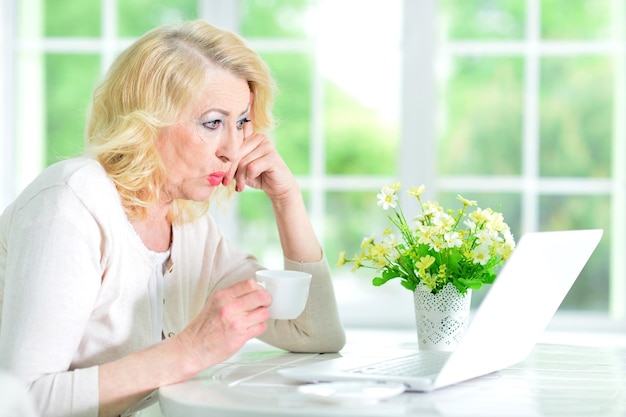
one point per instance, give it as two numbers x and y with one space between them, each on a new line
261 283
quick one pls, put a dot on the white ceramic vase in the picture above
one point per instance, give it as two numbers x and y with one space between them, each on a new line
441 318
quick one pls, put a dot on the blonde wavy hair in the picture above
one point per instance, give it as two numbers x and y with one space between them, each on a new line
147 88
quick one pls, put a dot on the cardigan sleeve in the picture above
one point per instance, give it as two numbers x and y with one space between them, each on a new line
206 261
51 282
318 328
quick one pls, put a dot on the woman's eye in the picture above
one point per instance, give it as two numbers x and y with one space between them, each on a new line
213 124
241 122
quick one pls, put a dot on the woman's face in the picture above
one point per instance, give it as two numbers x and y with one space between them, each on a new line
199 150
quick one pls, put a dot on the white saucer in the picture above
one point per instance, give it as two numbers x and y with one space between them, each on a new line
361 392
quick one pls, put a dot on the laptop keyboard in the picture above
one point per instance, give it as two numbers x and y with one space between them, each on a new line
418 365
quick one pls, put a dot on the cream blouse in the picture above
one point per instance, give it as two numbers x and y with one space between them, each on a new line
78 287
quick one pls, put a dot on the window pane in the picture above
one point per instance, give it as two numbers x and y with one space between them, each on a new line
139 16
275 18
480 19
361 71
293 108
482 117
70 80
576 116
256 228
76 18
255 234
591 289
346 229
359 140
576 19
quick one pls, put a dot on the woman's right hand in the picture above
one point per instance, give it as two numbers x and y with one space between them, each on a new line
230 318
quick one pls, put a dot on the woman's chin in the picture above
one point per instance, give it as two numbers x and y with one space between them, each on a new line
199 194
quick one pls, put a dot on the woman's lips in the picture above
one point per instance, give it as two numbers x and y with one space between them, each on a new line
216 178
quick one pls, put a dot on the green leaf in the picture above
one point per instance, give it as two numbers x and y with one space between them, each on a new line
489 278
473 284
378 281
409 285
390 274
459 286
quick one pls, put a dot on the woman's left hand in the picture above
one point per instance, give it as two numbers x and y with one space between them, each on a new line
261 166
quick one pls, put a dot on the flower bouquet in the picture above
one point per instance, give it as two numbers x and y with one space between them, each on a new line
440 256
438 247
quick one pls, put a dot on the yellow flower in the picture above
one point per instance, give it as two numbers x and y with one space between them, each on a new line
358 261
430 280
367 241
465 201
425 234
443 269
378 253
479 216
425 262
417 191
342 259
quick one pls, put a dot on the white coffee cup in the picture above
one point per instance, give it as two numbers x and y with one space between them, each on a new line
289 291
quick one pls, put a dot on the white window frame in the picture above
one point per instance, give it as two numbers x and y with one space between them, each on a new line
22 160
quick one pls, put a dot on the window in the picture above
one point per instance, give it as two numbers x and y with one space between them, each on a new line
540 84
519 104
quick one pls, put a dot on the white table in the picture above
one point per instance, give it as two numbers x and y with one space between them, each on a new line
555 380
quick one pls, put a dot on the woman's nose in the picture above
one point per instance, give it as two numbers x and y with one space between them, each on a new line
229 147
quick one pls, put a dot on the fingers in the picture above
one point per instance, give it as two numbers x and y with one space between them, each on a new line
241 311
243 297
230 318
259 157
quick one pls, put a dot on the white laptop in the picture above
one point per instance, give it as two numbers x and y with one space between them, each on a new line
504 329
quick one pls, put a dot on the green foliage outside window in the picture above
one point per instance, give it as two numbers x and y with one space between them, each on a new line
483 19
69 80
72 18
481 112
563 212
575 19
136 17
275 18
292 110
576 117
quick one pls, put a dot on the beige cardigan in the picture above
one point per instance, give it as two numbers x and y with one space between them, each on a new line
74 287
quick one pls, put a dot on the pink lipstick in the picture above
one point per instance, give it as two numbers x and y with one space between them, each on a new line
216 178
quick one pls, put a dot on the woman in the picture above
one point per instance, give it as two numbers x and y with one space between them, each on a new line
116 280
